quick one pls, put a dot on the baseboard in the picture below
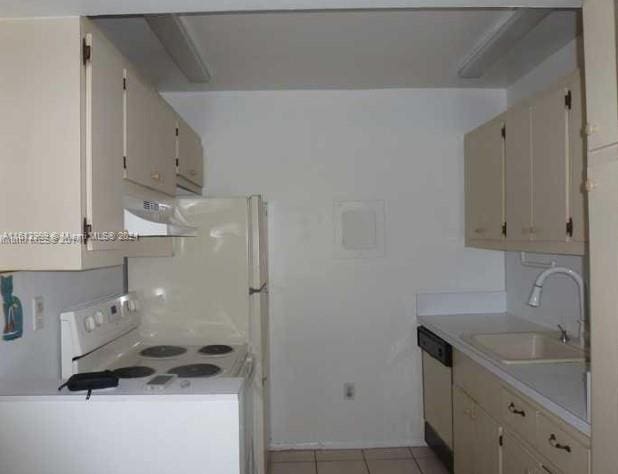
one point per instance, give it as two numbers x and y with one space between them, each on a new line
347 444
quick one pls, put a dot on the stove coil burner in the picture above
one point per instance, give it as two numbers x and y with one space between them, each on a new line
134 372
160 352
216 349
195 370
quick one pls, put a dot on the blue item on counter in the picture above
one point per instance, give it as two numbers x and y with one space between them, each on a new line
13 311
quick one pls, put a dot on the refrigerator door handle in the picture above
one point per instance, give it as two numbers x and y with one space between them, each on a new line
253 291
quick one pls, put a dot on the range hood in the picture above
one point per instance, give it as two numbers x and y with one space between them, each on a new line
148 218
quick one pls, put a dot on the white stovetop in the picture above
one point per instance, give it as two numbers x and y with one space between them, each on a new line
222 388
558 387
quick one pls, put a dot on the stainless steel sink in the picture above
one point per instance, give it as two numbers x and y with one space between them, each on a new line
526 348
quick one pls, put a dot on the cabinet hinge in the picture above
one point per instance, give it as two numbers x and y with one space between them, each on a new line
501 440
176 131
86 230
177 162
569 227
568 100
504 229
124 162
503 131
86 52
124 83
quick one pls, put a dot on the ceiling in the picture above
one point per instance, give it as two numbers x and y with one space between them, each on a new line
38 8
339 49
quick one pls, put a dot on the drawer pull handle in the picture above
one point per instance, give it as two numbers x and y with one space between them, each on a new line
515 411
554 443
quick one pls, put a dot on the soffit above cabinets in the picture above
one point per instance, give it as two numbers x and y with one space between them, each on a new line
339 49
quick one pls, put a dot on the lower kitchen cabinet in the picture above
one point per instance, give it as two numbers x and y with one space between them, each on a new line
499 430
516 459
476 437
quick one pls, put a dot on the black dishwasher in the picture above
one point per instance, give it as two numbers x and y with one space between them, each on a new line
437 394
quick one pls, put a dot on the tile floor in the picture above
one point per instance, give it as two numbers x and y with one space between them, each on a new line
419 460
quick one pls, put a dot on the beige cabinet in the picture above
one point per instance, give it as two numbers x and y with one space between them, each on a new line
518 173
578 198
189 158
532 440
558 204
476 437
463 432
544 173
103 137
516 459
62 97
599 20
81 136
484 182
603 175
150 137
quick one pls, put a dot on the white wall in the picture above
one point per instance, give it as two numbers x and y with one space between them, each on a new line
37 354
336 321
559 303
562 62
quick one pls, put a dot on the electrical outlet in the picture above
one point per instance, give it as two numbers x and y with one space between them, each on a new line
349 391
38 313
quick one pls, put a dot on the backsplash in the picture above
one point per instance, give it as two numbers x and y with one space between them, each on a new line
37 353
559 302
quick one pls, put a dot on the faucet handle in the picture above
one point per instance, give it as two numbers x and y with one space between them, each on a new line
564 336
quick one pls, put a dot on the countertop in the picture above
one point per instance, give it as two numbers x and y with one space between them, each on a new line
560 388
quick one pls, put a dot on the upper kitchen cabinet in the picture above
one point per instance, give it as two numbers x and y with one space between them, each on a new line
484 184
601 79
61 143
189 158
544 173
549 142
518 172
150 136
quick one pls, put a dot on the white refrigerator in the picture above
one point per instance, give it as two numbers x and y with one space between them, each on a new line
215 290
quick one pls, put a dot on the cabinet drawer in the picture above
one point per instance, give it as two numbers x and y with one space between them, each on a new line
560 448
518 414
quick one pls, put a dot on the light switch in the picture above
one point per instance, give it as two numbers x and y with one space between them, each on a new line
38 313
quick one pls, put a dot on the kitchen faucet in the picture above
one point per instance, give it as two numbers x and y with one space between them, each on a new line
537 289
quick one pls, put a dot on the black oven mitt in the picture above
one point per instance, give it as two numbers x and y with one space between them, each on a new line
90 381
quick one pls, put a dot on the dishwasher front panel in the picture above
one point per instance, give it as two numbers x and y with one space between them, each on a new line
438 398
437 394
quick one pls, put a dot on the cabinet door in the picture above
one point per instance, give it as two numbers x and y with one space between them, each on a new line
150 137
190 160
600 59
484 170
518 166
486 442
104 138
548 115
137 137
516 459
463 432
577 161
163 145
